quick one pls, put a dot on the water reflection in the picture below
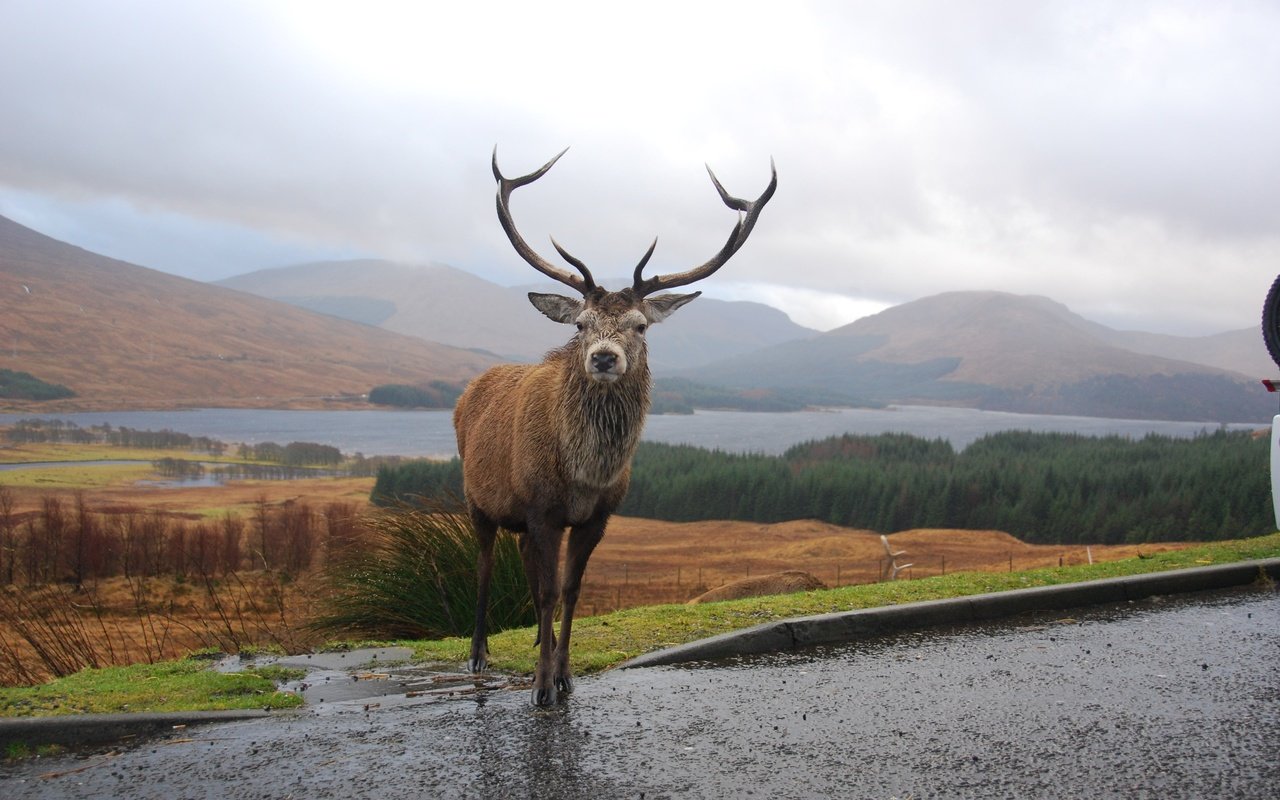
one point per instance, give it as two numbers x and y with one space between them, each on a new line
534 752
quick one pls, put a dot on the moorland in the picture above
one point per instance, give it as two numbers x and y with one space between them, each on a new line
116 569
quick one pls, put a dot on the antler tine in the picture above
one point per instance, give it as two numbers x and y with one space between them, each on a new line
748 213
636 279
505 186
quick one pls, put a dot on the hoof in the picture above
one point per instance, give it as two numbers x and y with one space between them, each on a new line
476 665
564 684
545 696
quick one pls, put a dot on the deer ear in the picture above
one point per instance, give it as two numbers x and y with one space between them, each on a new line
557 307
659 307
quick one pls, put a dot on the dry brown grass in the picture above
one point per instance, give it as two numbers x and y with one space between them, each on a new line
238 497
644 562
789 582
59 629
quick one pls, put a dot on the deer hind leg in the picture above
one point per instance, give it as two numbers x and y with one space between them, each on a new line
582 542
529 557
486 532
544 556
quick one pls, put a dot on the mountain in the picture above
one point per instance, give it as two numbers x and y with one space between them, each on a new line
443 304
124 336
1001 351
1240 351
432 301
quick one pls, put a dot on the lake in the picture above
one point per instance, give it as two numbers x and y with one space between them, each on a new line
430 433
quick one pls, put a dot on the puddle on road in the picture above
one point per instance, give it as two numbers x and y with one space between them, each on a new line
374 677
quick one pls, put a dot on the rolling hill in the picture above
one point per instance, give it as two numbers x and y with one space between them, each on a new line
999 351
443 304
124 336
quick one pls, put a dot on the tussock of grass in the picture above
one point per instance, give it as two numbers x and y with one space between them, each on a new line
415 576
605 641
170 686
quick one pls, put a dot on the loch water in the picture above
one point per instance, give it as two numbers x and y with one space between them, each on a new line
430 433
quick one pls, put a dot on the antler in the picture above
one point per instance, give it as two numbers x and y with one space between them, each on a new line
748 213
505 186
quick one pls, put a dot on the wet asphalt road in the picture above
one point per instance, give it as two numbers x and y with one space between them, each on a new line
1168 698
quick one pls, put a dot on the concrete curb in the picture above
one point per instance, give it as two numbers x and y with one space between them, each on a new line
847 626
73 730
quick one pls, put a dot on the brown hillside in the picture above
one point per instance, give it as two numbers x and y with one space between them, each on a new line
644 561
121 335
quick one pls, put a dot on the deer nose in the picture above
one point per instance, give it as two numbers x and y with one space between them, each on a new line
603 362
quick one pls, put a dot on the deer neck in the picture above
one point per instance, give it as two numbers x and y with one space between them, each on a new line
602 424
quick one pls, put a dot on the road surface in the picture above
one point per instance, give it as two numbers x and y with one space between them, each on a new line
1163 698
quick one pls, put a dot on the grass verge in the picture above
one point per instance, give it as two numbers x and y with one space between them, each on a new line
598 642
184 685
605 641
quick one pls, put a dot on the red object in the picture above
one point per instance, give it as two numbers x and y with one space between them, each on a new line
1271 385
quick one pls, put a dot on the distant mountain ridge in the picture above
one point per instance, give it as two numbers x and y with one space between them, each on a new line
124 336
443 304
1000 351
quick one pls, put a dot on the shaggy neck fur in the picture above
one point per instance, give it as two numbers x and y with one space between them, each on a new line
602 422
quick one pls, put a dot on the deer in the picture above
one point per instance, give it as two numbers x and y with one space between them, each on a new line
548 446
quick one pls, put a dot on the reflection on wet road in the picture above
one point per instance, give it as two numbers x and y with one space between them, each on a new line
1162 699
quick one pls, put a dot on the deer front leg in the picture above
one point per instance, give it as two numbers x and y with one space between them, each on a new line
582 541
486 532
544 553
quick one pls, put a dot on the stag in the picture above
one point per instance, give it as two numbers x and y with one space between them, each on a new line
549 445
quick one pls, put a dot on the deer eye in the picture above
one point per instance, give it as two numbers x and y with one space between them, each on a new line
641 328
579 325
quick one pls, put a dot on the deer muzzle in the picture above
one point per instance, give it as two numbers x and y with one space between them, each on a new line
606 362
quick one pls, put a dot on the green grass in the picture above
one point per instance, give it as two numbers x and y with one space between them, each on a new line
73 476
598 642
62 451
17 751
70 474
169 686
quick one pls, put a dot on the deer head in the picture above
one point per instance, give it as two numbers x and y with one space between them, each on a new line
611 325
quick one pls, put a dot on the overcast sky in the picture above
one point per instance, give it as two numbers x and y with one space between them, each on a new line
1120 157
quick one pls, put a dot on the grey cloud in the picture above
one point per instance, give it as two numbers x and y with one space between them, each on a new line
1095 153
